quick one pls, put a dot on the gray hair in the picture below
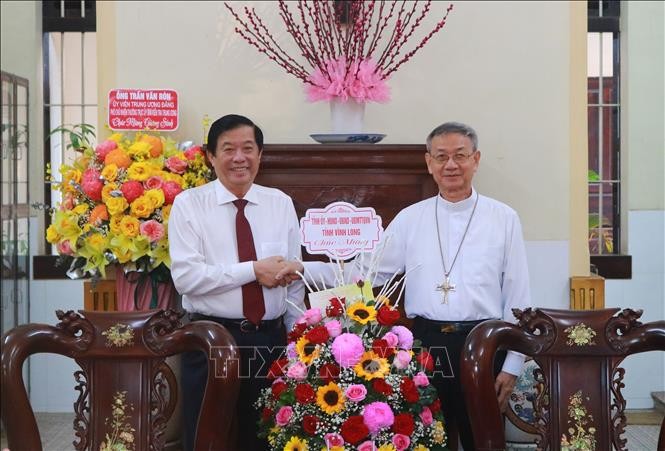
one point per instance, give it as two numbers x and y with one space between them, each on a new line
453 127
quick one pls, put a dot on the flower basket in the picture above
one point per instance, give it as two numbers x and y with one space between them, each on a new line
352 380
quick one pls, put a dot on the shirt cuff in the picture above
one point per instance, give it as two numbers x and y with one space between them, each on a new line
513 363
245 272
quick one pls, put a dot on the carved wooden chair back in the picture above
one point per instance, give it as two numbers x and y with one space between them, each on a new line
127 392
578 403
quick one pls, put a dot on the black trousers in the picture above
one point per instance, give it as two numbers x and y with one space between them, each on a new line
446 349
258 349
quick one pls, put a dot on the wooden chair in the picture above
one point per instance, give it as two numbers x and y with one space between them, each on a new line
127 393
578 384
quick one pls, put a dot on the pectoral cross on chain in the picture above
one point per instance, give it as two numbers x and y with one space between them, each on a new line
446 287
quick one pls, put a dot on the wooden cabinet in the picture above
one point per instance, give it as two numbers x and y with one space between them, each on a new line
385 177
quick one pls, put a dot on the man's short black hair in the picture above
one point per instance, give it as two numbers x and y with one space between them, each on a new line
229 122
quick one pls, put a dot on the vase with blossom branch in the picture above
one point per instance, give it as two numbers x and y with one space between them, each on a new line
347 49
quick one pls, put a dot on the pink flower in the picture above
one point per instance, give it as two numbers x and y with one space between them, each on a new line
402 359
347 349
192 152
401 442
153 230
67 202
132 190
392 339
333 440
356 392
104 148
367 446
426 416
334 328
175 164
405 336
377 416
311 316
284 416
291 352
421 379
153 182
65 248
297 371
170 190
361 80
91 184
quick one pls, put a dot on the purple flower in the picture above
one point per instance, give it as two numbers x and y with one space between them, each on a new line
421 379
297 371
392 339
334 328
347 349
404 335
402 359
378 415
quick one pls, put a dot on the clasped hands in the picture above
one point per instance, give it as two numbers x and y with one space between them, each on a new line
275 271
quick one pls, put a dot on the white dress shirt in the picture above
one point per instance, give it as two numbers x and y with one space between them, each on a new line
490 274
204 251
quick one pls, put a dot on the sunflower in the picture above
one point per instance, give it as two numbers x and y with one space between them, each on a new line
386 448
330 398
371 365
307 352
361 313
296 444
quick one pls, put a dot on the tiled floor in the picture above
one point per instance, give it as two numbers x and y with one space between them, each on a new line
57 434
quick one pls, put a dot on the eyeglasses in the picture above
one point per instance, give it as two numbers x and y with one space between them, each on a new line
458 158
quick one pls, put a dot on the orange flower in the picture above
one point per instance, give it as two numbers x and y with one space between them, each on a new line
98 214
155 145
119 158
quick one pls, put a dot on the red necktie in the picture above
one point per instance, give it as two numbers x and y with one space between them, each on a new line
253 305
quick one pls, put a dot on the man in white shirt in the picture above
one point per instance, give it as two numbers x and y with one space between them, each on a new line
227 240
465 261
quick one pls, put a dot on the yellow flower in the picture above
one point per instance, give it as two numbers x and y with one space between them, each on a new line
141 247
361 313
296 444
160 253
110 172
116 205
371 366
117 137
155 197
114 224
66 224
107 189
421 448
139 171
386 448
80 209
171 177
129 226
272 435
439 433
96 242
122 247
307 352
330 398
333 448
52 235
141 207
166 212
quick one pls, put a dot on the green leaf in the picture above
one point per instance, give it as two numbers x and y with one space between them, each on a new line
593 176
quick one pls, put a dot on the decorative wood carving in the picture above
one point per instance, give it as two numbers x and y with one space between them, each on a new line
617 409
81 411
162 403
159 327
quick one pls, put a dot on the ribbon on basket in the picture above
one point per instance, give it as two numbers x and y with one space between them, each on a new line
140 290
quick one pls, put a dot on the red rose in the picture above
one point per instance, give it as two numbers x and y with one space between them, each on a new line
296 332
318 335
387 316
192 152
266 414
278 368
426 361
305 393
131 189
309 423
435 407
381 386
409 390
329 372
278 388
403 424
382 348
170 190
91 184
354 429
336 307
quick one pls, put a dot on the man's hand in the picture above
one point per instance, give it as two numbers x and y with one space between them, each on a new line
503 385
266 269
289 271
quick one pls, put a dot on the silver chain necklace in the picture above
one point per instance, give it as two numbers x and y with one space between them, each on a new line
446 287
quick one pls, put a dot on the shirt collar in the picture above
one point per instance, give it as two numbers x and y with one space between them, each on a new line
462 205
224 196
